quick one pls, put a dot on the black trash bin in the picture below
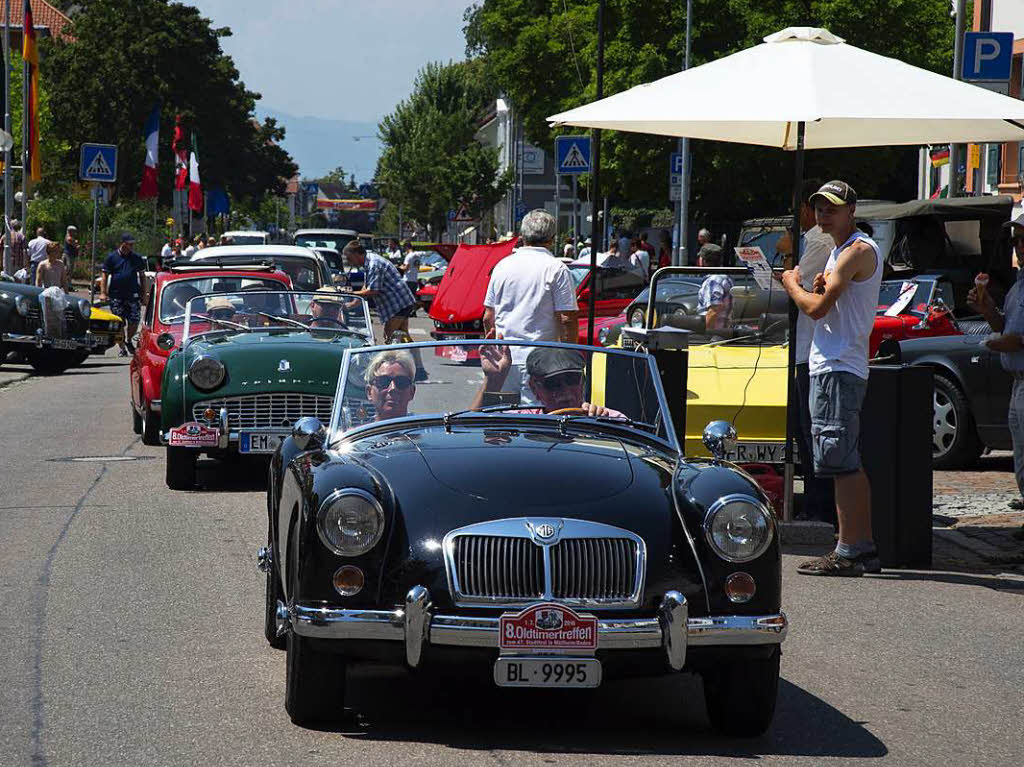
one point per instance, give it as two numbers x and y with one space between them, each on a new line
896 450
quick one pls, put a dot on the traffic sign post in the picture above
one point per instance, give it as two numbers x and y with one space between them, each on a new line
98 163
572 155
675 176
988 56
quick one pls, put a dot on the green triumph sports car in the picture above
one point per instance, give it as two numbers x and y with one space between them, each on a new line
250 364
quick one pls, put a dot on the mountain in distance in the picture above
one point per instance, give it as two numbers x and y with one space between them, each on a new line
318 145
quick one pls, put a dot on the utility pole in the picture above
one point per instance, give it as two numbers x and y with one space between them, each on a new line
684 150
956 150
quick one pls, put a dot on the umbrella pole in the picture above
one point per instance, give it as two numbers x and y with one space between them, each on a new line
596 232
798 182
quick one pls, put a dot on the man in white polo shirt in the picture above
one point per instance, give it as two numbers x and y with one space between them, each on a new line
530 296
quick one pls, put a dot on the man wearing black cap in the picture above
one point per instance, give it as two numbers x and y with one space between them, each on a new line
555 376
124 281
842 303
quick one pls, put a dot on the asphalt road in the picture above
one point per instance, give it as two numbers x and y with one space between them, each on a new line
132 635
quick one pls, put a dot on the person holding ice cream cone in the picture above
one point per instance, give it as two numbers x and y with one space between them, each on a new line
1008 339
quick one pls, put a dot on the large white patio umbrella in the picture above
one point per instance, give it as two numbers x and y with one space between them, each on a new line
805 88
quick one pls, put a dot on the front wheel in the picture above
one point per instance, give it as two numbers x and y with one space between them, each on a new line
136 420
149 427
740 695
314 683
954 441
181 468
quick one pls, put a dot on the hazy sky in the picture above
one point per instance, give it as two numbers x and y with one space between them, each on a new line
340 59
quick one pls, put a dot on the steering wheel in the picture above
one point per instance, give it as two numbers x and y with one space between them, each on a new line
569 411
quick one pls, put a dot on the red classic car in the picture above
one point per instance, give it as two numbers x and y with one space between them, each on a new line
917 307
458 307
163 322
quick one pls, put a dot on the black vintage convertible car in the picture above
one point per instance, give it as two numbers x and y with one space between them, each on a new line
51 328
532 519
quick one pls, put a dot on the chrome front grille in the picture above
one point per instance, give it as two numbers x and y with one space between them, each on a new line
55 320
267 411
506 562
491 567
593 568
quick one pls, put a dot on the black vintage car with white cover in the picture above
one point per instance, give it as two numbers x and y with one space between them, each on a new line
533 518
49 327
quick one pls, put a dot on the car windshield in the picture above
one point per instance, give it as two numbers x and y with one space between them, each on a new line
248 239
324 314
913 295
500 380
324 240
303 270
177 294
764 237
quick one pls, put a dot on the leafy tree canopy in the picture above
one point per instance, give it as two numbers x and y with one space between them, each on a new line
431 161
123 56
543 53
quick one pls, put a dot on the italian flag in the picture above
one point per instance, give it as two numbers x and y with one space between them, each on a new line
149 188
195 189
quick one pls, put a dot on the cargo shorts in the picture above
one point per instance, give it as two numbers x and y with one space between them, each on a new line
835 402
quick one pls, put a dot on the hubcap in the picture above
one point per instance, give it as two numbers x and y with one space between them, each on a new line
944 425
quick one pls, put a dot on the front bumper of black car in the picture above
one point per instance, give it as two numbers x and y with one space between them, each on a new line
417 625
41 341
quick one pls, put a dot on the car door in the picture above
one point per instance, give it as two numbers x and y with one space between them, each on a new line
616 289
992 422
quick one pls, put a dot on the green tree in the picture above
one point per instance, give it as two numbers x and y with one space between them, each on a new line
431 161
120 58
543 55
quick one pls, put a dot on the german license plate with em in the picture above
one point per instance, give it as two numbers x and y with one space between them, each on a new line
551 671
250 442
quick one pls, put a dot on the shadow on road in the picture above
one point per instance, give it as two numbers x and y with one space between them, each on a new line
663 715
234 475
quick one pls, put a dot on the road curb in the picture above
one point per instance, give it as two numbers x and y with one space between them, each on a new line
8 378
986 551
806 532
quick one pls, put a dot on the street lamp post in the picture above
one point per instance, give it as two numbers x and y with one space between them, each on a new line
684 151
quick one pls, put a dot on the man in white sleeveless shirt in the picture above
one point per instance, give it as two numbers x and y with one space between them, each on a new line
842 303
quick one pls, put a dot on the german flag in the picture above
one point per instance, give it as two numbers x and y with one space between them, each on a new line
940 157
30 55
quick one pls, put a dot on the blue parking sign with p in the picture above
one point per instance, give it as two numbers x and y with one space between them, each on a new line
98 163
988 56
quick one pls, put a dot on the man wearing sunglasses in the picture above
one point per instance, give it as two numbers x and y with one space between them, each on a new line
555 376
390 383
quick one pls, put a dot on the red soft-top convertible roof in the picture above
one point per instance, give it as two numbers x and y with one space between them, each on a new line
460 297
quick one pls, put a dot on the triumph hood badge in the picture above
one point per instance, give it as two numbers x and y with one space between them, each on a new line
284 366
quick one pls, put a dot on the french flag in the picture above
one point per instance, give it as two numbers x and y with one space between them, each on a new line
149 188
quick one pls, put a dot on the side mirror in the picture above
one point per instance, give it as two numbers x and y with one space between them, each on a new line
308 433
720 438
165 341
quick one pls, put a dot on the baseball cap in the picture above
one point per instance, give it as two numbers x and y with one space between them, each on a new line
837 193
127 237
543 362
1019 221
219 302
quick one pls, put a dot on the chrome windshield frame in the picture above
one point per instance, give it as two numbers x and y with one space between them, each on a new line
186 338
335 432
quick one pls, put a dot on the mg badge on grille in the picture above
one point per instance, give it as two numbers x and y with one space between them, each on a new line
284 366
545 531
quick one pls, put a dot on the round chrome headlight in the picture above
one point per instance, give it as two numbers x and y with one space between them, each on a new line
602 336
206 373
84 308
21 304
350 522
738 528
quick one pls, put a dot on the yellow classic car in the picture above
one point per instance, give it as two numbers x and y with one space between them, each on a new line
104 327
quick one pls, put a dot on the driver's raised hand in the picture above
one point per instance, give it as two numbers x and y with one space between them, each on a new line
595 411
495 361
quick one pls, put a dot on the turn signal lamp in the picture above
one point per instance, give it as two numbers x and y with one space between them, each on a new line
209 414
348 580
740 588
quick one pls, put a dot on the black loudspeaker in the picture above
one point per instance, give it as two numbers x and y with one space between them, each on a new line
896 451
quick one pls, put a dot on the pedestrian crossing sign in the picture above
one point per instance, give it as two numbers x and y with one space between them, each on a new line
572 155
98 163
